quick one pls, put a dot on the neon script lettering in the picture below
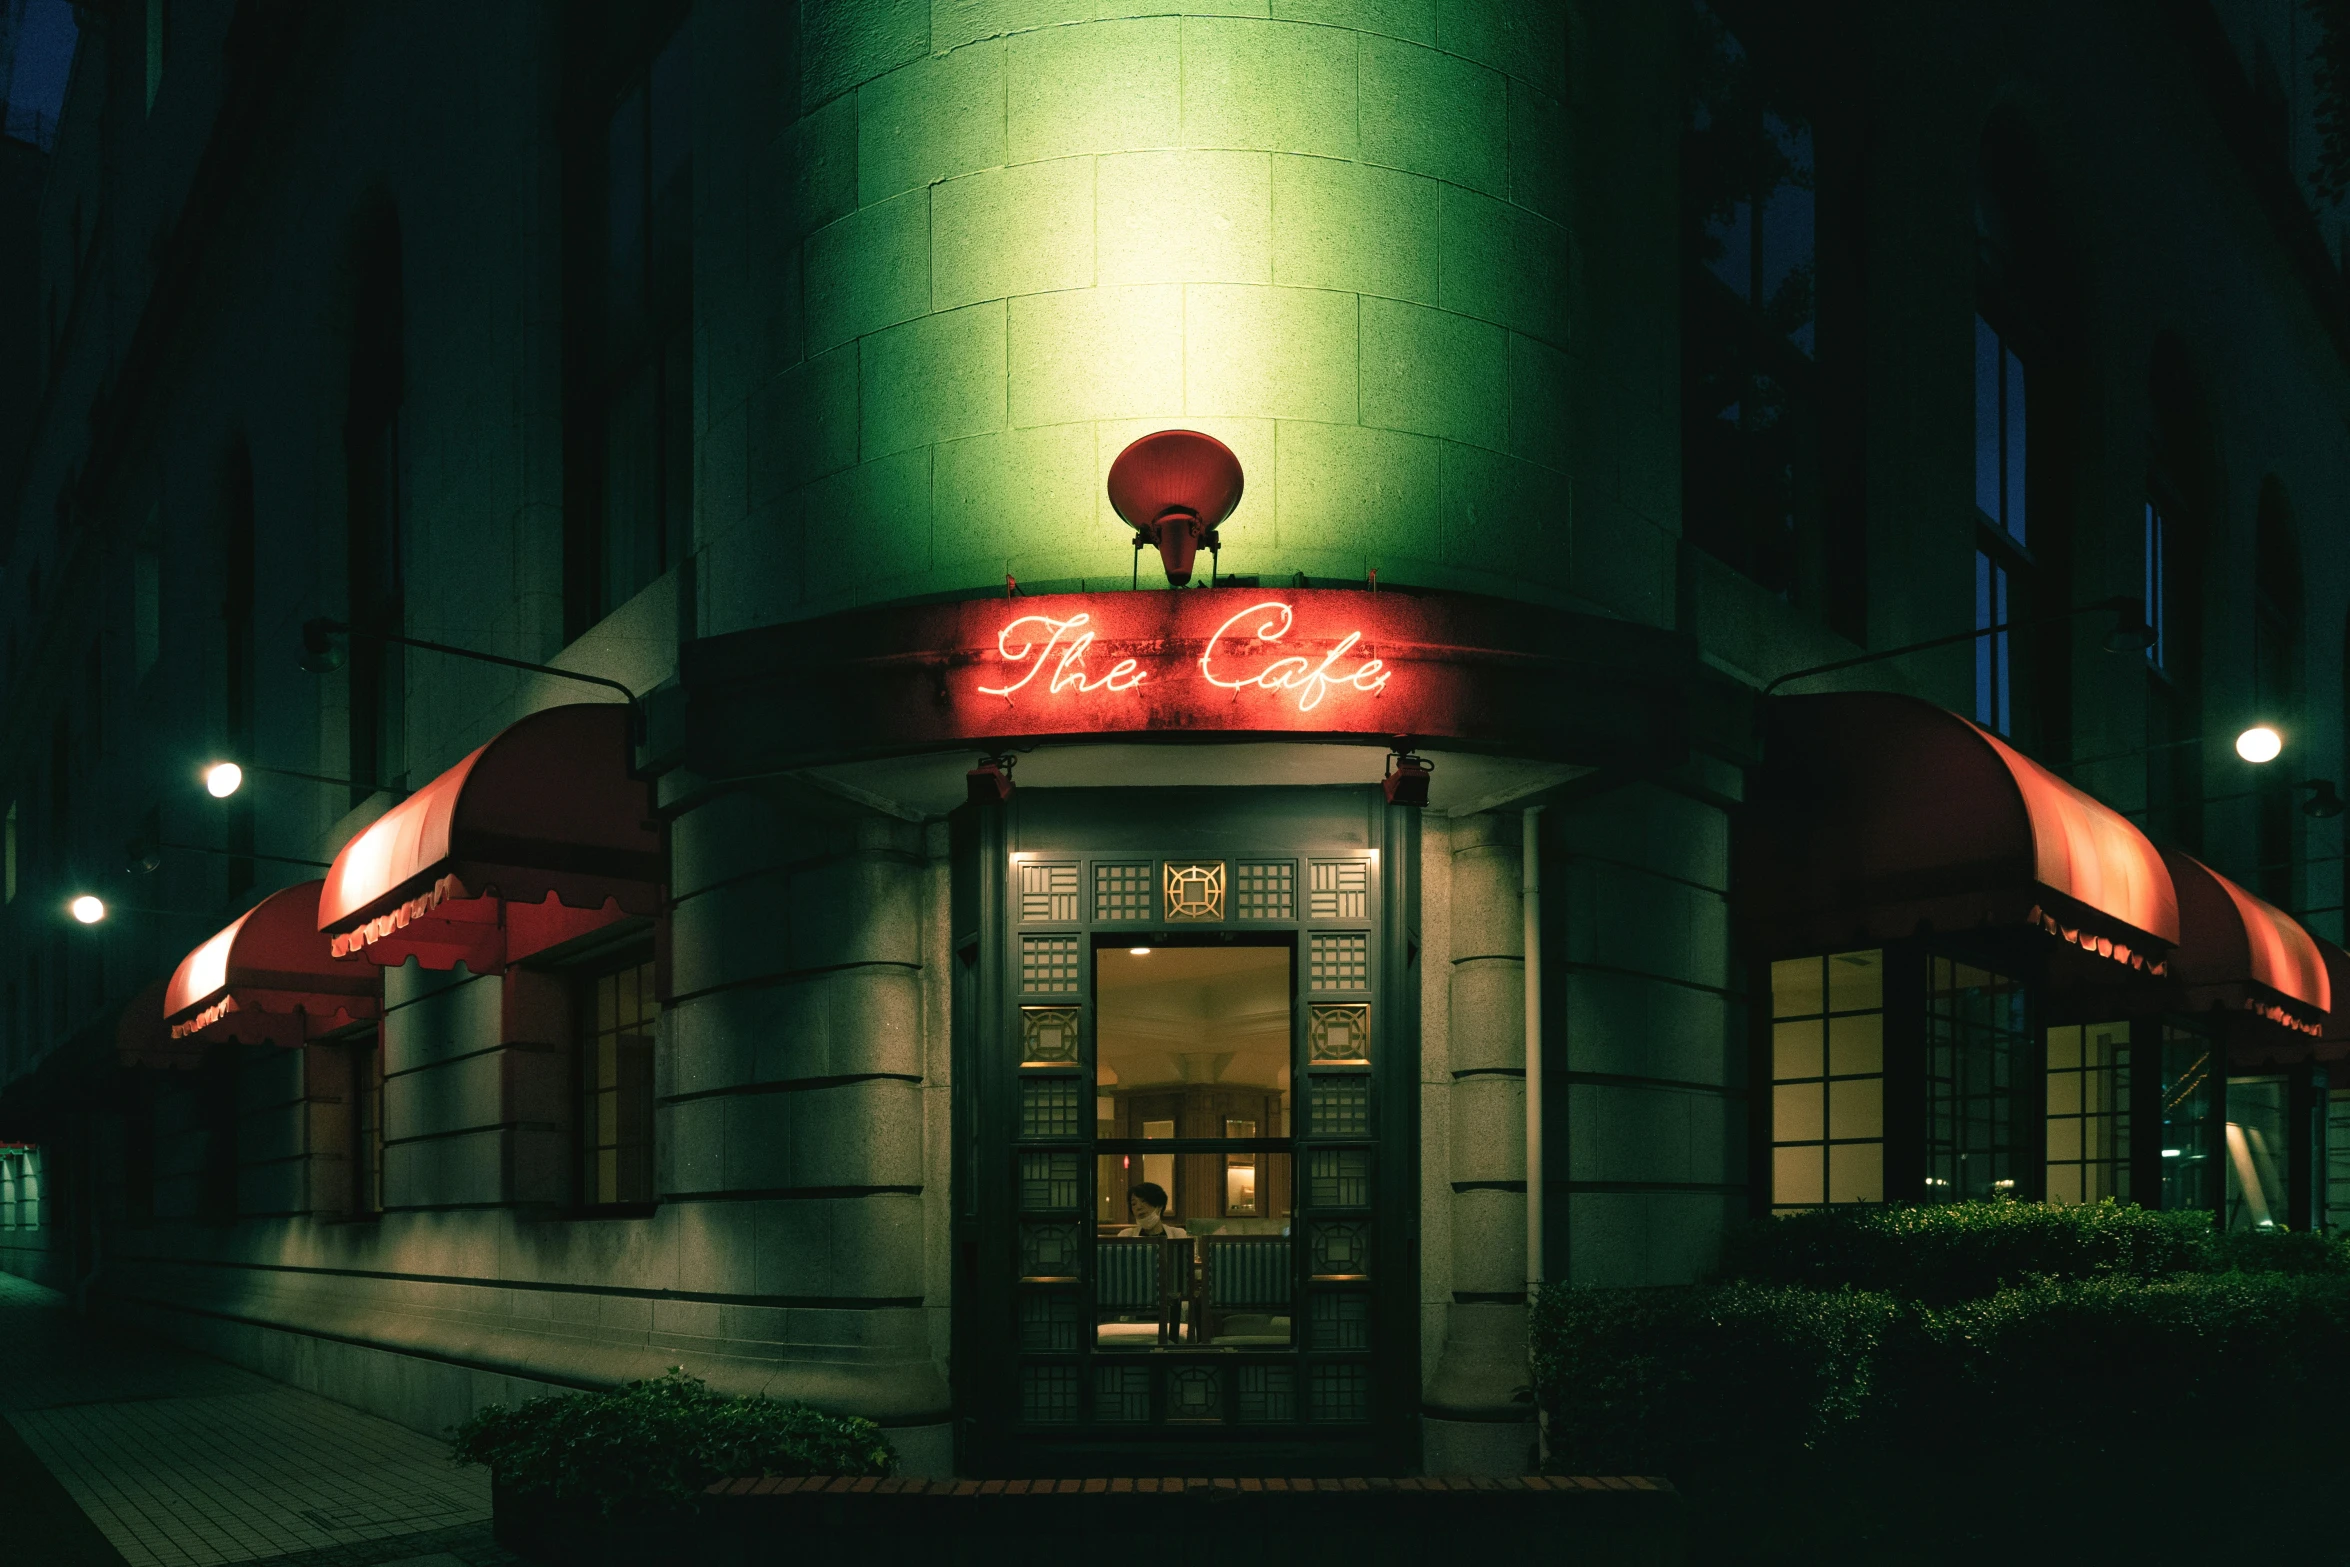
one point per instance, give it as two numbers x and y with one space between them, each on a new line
1311 681
1017 642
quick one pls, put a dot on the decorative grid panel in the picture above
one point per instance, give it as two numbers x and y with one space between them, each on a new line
1121 1395
1121 894
1268 1395
1195 1393
1048 893
1048 965
1049 1106
1342 1250
1051 1182
1048 1395
1339 1392
1048 1251
1338 1178
1341 1321
1195 890
1339 1033
1265 890
1338 889
1048 1036
1340 1106
1339 960
1048 1322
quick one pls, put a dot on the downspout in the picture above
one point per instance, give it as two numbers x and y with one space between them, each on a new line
1530 883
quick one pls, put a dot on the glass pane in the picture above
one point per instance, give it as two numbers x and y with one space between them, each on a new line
1987 421
2190 1152
1222 1278
2064 1050
1797 988
1856 1172
1194 1038
1795 1049
2259 1153
2015 465
1856 1108
1797 1114
1856 981
1856 1045
1795 1176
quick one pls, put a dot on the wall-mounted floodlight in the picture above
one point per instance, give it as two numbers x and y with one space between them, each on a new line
87 909
223 779
2260 744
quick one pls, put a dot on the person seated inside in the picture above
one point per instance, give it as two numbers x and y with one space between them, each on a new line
1147 1202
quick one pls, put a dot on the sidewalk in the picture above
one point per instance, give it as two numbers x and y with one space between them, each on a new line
179 1460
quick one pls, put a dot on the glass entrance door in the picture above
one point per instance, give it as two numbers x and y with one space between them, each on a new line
1206 1221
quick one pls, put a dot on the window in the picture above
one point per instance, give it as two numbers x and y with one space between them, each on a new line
2000 554
158 42
366 1130
2337 1161
1976 1046
2190 1140
374 505
617 1012
1750 457
2088 1112
1828 1080
2259 1153
2157 585
635 259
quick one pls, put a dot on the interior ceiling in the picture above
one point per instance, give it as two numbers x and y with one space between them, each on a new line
1193 1015
918 787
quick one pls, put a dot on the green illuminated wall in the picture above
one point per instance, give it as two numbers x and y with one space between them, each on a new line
1329 232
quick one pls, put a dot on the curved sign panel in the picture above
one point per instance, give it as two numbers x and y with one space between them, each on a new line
1202 662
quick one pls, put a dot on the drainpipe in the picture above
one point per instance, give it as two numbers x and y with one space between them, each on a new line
1530 881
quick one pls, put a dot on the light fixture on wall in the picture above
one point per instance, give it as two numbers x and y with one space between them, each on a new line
2323 802
1407 777
223 779
990 783
1174 488
87 909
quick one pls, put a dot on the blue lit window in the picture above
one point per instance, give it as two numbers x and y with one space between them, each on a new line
2157 584
1999 498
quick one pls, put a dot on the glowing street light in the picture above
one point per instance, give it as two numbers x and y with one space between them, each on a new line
223 779
87 909
2260 744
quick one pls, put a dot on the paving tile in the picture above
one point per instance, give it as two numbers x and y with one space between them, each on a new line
180 1460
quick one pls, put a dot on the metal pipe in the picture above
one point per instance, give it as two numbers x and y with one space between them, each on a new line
1530 881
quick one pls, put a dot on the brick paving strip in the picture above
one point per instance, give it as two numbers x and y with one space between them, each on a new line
179 1460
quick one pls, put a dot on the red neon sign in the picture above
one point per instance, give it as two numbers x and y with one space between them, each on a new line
1029 644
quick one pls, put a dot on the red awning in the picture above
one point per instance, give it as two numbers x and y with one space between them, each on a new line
269 979
2242 954
539 836
1878 816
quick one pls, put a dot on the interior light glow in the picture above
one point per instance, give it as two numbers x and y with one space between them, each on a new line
1138 952
223 779
2174 1153
2260 744
87 909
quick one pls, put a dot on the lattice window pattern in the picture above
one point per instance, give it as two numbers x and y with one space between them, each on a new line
1048 892
1051 1182
1337 1178
1048 965
1048 1322
1049 1107
1195 890
1121 1395
1342 1250
1048 1036
1048 1251
1048 1395
1265 890
1341 1106
1339 1392
1339 1033
1121 893
1268 1395
1339 960
1195 1393
1338 889
1342 1320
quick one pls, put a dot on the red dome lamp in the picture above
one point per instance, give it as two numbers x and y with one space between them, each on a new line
1174 487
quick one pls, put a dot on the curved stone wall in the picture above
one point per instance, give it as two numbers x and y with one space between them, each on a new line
1329 232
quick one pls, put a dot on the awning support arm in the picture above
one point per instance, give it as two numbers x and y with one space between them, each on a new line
315 645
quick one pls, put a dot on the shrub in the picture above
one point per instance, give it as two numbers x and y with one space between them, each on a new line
654 1446
1955 1251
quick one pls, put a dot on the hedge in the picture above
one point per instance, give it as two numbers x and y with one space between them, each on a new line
653 1446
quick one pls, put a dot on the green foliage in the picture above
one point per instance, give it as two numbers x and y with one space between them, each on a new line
1953 1251
653 1446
